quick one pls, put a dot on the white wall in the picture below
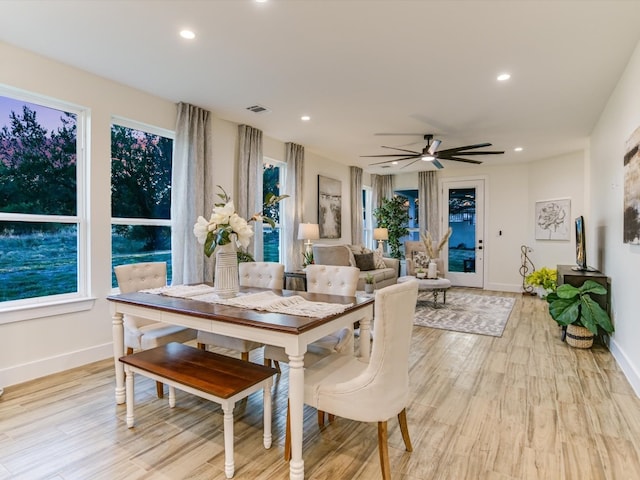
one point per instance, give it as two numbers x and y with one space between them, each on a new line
621 262
35 347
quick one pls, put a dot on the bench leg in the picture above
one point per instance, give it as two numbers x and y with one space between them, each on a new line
229 467
129 395
266 408
172 396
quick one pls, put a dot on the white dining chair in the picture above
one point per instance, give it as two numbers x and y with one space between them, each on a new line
252 274
141 333
332 280
348 387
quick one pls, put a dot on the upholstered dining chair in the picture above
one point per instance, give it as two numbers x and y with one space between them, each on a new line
141 333
252 274
328 279
345 386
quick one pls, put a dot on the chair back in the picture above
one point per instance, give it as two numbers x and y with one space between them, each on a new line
411 248
332 279
261 275
382 389
140 276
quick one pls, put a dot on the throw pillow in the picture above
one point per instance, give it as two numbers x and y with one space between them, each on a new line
420 260
365 262
377 257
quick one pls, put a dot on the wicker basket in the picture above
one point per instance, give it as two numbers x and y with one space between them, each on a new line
579 337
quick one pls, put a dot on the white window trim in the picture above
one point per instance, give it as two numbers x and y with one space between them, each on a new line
282 166
38 307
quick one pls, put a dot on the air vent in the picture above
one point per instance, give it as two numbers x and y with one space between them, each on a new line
258 109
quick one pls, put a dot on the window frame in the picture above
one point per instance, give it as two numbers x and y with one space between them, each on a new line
152 222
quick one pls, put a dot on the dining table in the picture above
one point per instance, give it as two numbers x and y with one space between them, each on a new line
292 332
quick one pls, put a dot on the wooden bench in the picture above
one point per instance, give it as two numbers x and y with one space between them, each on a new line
214 377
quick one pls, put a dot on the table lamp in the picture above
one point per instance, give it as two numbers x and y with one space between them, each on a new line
380 234
308 232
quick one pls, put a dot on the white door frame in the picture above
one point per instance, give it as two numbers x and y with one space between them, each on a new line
477 279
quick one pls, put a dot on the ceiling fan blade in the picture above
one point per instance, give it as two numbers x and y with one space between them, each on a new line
402 150
391 161
437 164
397 134
410 163
458 159
389 155
477 153
434 146
466 147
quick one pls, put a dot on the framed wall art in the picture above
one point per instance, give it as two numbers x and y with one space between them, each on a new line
632 189
553 219
329 207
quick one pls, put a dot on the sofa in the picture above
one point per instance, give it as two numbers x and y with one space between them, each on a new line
370 262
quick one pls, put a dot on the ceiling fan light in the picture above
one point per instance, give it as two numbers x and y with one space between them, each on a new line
428 158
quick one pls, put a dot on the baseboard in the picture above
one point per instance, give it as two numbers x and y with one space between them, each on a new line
626 366
47 366
503 287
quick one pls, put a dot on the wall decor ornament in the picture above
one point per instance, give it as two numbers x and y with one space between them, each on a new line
329 207
553 219
632 189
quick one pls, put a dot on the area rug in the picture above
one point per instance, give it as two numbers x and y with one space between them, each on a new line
465 312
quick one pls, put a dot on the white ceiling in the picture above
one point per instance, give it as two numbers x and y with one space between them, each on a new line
357 67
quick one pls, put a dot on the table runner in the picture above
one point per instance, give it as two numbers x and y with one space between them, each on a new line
262 301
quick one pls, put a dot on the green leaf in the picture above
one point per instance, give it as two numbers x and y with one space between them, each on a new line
592 287
270 221
564 311
567 291
593 315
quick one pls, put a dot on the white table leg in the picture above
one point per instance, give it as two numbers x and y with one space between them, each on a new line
130 394
296 404
266 409
365 337
117 332
229 466
172 396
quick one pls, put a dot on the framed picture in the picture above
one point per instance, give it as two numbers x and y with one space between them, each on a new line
632 189
553 219
329 207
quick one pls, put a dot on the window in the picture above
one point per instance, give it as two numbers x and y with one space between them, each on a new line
411 201
367 217
272 175
140 194
43 237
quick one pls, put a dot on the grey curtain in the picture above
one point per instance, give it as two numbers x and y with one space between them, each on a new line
356 205
382 187
428 203
294 174
248 198
191 194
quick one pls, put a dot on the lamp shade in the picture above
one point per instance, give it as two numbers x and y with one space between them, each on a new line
308 231
380 234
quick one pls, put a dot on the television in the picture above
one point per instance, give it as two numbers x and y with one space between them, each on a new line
581 248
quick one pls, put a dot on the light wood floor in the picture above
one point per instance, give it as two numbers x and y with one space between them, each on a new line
524 406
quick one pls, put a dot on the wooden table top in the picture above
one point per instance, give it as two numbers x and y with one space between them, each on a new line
293 324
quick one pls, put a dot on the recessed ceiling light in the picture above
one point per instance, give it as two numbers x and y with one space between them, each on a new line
305 118
394 163
261 1
518 149
188 34
504 77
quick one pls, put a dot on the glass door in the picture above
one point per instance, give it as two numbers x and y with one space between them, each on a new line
464 259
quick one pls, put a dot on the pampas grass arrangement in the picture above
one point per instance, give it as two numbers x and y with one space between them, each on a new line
428 243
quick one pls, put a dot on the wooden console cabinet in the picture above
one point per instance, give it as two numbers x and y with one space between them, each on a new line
577 278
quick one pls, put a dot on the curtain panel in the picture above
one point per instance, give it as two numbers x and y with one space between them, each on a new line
356 204
428 203
294 177
248 197
191 193
382 187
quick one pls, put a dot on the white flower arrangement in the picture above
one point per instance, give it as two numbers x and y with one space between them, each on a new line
225 221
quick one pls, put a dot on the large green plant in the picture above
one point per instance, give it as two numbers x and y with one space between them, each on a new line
393 214
574 305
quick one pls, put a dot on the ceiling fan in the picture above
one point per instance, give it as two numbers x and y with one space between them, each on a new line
430 153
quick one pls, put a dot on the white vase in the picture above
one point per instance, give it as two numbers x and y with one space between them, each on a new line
432 271
226 282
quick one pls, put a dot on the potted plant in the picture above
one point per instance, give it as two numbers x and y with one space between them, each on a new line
545 280
368 283
307 258
573 308
393 214
420 272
